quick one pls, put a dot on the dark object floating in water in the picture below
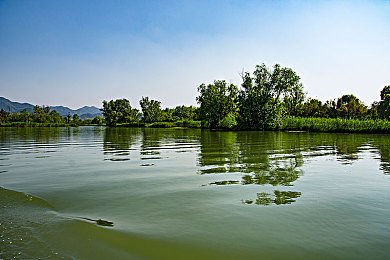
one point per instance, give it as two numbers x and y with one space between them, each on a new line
147 164
101 222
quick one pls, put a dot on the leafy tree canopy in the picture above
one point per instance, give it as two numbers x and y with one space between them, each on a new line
384 104
151 110
218 107
350 106
117 111
259 98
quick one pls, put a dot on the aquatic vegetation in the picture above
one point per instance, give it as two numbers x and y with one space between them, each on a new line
335 125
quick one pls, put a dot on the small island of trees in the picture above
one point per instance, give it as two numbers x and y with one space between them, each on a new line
268 99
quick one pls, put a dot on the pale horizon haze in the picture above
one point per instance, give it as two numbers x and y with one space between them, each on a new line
77 53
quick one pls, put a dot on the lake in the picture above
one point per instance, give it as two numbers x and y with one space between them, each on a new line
139 193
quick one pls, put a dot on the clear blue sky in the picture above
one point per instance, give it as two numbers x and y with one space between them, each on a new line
77 53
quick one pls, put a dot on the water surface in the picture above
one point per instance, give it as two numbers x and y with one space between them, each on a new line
98 193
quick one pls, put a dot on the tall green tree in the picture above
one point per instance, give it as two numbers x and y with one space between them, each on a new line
4 116
41 114
118 111
25 116
55 117
218 104
76 119
41 109
313 108
351 107
260 96
151 110
186 113
97 120
293 100
384 104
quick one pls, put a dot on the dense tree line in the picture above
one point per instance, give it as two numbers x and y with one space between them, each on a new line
269 95
43 115
218 108
264 100
120 112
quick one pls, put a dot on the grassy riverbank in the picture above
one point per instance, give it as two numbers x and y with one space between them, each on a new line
35 124
331 125
179 124
338 125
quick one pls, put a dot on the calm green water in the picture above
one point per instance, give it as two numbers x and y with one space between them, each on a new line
192 194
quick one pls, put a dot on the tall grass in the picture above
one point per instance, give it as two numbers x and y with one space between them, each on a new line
289 123
335 125
182 123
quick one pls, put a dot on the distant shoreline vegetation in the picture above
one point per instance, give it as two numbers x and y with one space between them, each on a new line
268 99
43 117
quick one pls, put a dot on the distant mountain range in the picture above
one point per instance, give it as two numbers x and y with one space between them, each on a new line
84 112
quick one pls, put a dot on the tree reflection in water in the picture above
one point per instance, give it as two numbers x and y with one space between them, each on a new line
276 158
118 142
235 158
259 158
278 198
382 143
151 144
245 158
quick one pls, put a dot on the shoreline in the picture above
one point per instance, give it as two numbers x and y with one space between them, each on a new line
290 124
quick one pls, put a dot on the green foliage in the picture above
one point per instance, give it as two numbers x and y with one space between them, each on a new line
228 122
351 107
161 124
35 124
76 119
186 113
385 92
348 107
97 120
268 99
293 100
335 125
87 121
179 113
180 124
217 101
314 108
41 109
151 110
384 104
190 123
41 117
118 111
167 115
259 99
270 95
4 115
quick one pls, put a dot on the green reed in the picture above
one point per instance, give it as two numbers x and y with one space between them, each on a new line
335 125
